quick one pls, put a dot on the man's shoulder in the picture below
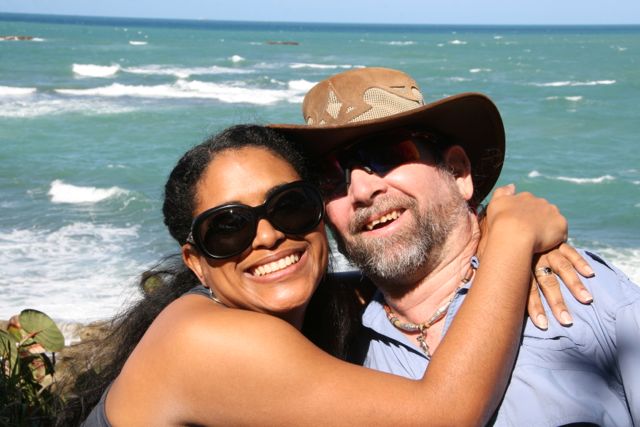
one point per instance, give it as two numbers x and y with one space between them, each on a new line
610 286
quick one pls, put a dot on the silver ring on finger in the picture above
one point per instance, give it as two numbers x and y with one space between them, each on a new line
543 271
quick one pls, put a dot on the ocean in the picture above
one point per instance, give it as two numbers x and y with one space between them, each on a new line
94 113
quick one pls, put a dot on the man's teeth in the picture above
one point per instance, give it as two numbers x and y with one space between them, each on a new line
276 265
385 218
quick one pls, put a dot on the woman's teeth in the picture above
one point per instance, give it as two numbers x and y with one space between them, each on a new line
383 219
276 265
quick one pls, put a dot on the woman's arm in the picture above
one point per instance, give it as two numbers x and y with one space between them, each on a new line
201 363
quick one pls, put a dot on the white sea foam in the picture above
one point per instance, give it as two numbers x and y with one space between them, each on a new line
91 70
497 37
400 43
79 272
299 65
626 259
458 79
182 72
137 43
182 89
18 38
480 70
301 85
457 42
575 83
566 98
598 180
60 192
44 105
236 58
16 91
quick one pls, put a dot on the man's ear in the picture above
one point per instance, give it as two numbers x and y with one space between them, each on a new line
191 258
457 162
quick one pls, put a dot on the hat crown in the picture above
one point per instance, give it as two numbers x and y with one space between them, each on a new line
360 95
357 103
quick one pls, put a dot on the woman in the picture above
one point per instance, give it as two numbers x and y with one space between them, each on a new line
251 230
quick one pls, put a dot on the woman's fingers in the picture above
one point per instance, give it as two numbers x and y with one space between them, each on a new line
564 262
505 190
576 260
535 307
550 287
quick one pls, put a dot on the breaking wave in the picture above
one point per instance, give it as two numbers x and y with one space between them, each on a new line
183 72
16 91
196 90
91 70
575 83
298 65
575 180
61 192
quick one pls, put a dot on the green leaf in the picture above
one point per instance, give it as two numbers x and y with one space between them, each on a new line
151 284
8 349
15 332
43 329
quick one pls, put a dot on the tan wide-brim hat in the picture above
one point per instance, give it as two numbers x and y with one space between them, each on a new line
357 103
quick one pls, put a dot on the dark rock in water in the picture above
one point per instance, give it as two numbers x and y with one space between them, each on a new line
16 38
290 43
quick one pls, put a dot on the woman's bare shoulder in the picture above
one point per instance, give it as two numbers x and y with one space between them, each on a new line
194 349
194 321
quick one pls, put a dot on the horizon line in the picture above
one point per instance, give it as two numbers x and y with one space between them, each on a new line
29 14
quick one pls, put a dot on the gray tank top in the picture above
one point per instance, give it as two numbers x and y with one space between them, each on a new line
98 416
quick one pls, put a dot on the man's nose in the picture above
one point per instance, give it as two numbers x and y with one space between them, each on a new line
364 185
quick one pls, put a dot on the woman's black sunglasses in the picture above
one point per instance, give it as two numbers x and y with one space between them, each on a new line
228 230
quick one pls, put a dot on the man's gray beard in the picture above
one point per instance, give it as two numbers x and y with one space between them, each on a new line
402 259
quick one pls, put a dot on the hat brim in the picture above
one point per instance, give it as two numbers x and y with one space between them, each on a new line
470 120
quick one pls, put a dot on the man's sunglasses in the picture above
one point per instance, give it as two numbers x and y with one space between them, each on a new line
228 230
378 154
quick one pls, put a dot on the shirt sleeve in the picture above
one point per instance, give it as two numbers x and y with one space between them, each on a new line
628 343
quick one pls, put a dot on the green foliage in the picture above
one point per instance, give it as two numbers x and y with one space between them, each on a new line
27 362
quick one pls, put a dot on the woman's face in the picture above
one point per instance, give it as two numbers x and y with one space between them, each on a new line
296 263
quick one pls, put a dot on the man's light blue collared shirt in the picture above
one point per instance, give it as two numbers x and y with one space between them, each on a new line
588 372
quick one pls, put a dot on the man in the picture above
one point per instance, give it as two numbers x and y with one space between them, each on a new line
402 182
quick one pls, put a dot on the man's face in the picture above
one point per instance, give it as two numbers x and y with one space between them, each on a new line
395 226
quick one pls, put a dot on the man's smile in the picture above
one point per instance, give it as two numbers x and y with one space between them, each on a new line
380 221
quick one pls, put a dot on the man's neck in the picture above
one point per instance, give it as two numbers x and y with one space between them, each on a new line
438 285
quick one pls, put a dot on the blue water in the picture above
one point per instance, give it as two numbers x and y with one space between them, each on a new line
94 112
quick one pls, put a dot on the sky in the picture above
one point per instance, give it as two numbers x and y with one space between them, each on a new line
481 12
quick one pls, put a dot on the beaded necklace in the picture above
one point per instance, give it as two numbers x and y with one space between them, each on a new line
423 327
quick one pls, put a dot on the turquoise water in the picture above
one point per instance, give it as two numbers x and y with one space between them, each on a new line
95 112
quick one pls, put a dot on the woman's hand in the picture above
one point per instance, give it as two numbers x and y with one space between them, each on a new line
563 261
527 217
